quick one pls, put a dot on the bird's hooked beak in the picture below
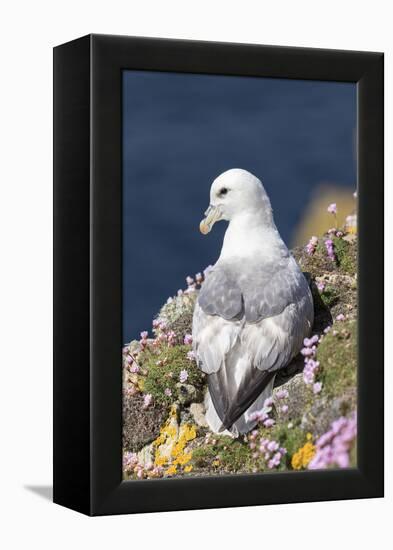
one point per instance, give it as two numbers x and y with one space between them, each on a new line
213 214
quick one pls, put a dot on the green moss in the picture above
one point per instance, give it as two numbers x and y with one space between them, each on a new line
330 296
163 366
346 255
202 457
235 455
226 454
337 356
290 438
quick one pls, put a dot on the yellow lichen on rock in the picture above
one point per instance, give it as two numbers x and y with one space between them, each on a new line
172 470
171 443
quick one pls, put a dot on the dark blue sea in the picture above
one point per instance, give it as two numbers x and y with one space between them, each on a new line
180 131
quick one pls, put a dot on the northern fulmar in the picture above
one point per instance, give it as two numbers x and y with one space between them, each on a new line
254 309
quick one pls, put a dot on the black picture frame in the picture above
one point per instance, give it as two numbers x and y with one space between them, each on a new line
88 274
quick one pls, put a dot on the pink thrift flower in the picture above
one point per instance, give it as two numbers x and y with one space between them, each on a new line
144 335
311 246
168 392
282 394
183 376
317 387
332 208
147 400
308 342
340 317
191 356
269 422
320 287
272 446
268 402
330 249
188 339
134 368
334 446
284 409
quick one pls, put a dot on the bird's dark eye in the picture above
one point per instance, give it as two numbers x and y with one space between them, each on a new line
223 191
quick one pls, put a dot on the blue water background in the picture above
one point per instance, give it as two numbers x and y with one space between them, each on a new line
182 130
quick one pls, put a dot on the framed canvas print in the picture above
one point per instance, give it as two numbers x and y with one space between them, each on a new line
218 275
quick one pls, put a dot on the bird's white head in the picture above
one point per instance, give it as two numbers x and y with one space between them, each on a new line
236 192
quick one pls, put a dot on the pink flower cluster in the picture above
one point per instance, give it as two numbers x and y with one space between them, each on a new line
163 335
335 232
321 286
269 449
262 416
312 245
143 340
130 460
280 396
330 249
311 366
194 283
333 447
183 376
131 466
332 208
147 399
130 363
187 340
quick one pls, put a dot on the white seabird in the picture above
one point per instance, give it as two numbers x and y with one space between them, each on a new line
254 308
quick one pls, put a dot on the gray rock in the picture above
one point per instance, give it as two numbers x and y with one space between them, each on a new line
186 393
146 456
197 411
299 395
140 426
318 418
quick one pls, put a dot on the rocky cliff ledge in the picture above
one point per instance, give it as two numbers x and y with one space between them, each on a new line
309 423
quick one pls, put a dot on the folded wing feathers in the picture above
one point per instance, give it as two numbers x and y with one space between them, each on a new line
242 319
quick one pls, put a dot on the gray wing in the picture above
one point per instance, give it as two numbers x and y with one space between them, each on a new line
260 291
252 322
221 295
268 290
213 339
258 352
